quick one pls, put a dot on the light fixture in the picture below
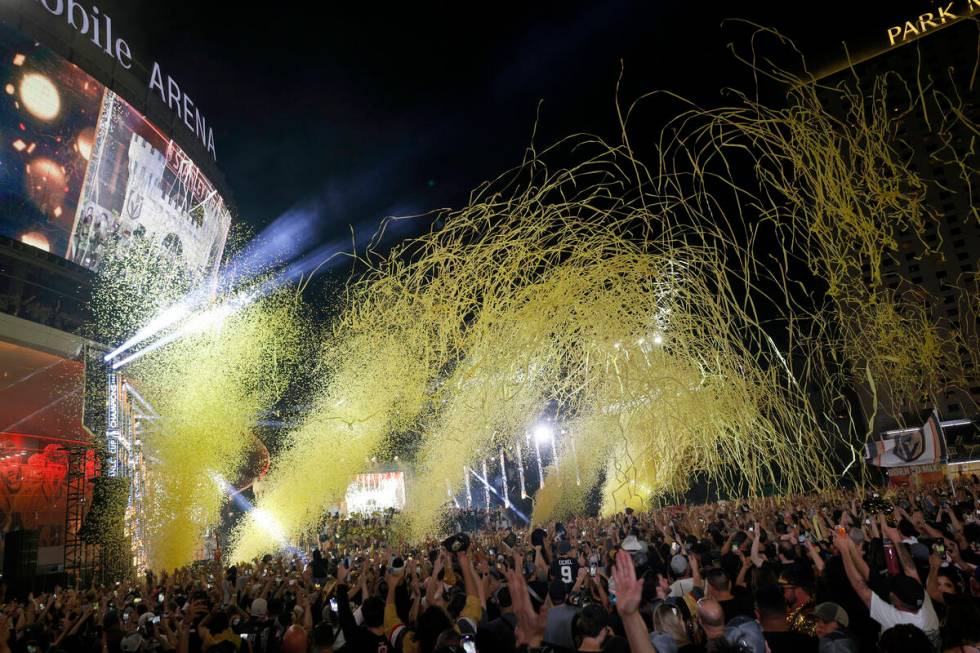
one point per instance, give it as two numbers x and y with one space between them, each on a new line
543 433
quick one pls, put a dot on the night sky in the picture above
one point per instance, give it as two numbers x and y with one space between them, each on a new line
373 110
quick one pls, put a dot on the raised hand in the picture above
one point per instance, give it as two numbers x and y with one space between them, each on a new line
531 625
629 590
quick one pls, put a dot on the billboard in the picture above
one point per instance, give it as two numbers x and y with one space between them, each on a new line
375 492
85 176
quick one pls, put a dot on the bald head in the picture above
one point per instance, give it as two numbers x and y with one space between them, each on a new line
712 618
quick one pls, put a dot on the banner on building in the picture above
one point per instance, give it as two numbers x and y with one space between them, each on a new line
913 446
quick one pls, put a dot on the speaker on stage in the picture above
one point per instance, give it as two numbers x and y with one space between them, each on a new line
19 562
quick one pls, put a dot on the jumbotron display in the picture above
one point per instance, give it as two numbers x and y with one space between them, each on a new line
84 175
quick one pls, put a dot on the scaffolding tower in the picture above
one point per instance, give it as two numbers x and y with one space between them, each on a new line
79 557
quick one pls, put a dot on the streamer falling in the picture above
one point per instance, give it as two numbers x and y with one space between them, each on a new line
688 320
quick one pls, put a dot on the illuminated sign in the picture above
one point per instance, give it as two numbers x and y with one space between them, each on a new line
112 426
98 27
930 20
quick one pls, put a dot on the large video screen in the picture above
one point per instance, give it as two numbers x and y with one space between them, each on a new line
85 176
376 492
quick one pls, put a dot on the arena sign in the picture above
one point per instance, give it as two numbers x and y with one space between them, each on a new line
98 27
931 20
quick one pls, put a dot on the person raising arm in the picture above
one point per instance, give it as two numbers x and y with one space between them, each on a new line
629 593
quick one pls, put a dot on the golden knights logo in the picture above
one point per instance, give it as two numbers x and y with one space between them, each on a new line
910 445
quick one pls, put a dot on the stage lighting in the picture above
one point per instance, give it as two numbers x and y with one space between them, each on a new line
543 433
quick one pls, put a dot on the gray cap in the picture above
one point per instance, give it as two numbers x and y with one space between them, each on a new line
663 643
678 564
631 543
831 612
745 634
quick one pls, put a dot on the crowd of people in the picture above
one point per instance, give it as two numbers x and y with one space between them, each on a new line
840 571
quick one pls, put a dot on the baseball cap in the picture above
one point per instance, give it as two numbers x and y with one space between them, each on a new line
131 643
919 551
632 544
259 608
678 564
537 536
663 643
745 634
831 612
564 547
908 590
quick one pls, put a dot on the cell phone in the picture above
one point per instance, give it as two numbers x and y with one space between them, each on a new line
155 620
469 646
161 598
244 636
939 548
751 529
801 539
593 569
333 605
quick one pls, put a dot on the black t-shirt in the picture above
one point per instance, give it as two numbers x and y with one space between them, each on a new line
741 603
790 642
565 569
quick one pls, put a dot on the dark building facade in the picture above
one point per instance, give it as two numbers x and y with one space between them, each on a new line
932 84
